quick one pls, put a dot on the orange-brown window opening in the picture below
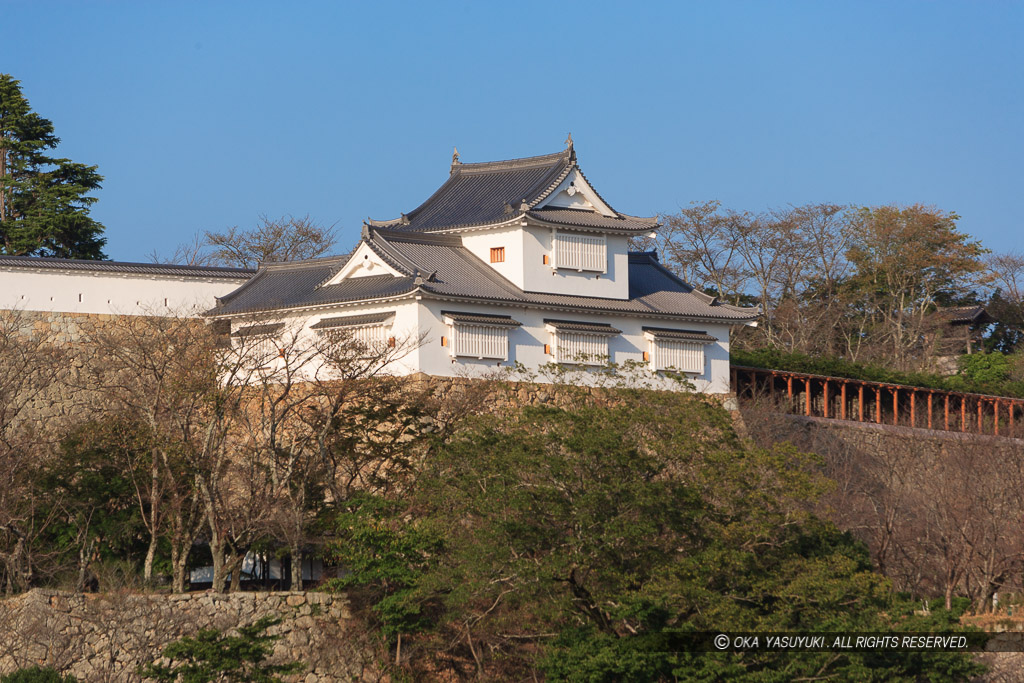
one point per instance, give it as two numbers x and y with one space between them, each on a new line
497 254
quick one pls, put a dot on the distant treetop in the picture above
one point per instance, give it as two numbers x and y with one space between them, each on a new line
44 207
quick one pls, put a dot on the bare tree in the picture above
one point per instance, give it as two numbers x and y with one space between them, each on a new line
29 363
322 419
173 375
284 239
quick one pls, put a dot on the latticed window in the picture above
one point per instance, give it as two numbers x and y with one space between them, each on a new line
365 333
370 336
259 343
480 341
580 342
479 336
581 252
679 350
497 254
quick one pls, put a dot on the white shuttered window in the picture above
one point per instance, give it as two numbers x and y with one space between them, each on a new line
581 252
370 336
480 341
678 355
580 347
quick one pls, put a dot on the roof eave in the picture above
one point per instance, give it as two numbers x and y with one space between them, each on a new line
215 313
533 219
430 294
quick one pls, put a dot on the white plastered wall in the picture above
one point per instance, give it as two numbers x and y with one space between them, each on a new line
511 238
405 328
71 291
541 277
526 343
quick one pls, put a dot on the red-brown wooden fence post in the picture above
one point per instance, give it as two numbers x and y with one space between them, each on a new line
824 396
860 403
895 406
842 397
807 397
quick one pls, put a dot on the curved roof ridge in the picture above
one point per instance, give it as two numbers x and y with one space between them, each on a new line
379 245
511 164
303 263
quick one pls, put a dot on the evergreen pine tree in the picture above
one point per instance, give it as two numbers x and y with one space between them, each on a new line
44 210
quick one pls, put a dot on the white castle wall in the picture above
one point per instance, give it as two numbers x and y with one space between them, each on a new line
105 292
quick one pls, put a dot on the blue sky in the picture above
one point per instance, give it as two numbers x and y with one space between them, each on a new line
206 115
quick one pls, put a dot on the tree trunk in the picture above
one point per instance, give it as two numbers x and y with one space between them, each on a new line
219 575
179 561
147 565
296 567
154 518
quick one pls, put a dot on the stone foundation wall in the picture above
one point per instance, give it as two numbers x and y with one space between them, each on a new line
73 398
106 637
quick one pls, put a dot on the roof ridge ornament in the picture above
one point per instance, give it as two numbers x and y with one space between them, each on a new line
404 220
456 161
569 146
524 205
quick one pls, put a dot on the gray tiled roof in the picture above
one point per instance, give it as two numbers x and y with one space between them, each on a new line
681 335
482 319
961 315
258 330
578 326
279 286
590 219
494 192
353 321
448 271
164 269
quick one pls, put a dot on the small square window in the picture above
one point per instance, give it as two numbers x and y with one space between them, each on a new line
497 254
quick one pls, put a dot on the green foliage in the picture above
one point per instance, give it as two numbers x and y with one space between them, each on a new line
988 374
37 675
574 540
211 657
91 497
385 556
986 368
44 207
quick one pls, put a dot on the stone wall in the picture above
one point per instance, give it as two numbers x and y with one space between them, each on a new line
105 637
73 398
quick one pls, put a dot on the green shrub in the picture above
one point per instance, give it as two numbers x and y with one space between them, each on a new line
211 657
37 675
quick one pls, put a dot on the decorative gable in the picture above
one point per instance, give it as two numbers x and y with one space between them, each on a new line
365 262
576 193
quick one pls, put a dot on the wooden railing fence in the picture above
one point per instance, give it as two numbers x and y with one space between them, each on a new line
881 403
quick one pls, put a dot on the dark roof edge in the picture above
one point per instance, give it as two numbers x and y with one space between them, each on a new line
116 266
535 216
581 309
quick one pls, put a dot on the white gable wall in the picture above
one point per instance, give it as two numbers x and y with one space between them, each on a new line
541 277
481 243
99 292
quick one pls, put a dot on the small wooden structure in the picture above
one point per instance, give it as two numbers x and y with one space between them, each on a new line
880 402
